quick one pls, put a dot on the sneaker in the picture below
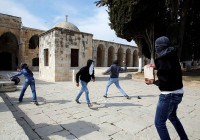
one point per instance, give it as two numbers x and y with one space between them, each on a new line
36 103
77 101
19 101
139 97
127 97
89 105
105 96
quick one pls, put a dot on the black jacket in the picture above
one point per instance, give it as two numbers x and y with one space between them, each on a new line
84 73
169 72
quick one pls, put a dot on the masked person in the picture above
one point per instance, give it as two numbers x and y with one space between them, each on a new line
170 84
114 74
29 80
85 74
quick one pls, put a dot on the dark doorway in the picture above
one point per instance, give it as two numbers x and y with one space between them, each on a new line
35 61
100 56
5 61
120 57
74 57
9 49
110 56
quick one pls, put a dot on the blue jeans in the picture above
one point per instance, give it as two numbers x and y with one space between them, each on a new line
28 82
166 109
116 82
84 88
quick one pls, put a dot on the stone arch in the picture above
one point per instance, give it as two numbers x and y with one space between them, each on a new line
111 53
120 56
100 55
128 57
34 42
135 59
9 51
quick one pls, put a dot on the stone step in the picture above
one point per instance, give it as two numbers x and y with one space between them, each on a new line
7 86
6 83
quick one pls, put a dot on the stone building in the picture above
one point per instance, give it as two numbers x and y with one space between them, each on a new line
59 52
18 44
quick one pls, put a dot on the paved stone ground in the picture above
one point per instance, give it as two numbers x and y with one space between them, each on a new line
59 117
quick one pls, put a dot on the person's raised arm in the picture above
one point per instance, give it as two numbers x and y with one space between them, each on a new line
18 74
107 71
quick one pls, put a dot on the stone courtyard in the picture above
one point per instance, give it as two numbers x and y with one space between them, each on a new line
58 117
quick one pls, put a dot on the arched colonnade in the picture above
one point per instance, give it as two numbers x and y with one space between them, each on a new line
105 53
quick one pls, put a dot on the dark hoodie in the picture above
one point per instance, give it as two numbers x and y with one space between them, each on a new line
115 69
168 68
84 73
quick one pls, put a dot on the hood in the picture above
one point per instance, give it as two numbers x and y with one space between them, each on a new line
115 62
23 66
163 46
89 62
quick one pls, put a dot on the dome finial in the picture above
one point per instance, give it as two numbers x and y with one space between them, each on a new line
66 17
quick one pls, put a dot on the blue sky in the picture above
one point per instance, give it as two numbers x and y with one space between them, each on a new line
43 14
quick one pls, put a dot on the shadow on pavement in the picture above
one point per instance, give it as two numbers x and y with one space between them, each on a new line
52 129
103 78
97 106
41 101
143 96
120 104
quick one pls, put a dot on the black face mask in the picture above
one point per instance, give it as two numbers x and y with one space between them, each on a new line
23 66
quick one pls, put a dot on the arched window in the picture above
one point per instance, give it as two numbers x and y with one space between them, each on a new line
34 42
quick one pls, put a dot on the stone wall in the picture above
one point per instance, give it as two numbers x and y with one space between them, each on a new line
27 53
65 40
47 41
11 25
10 29
10 21
104 50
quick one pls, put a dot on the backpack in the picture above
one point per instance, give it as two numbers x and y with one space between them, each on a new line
16 80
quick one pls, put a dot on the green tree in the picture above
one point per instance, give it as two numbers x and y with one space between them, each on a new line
190 39
134 20
145 20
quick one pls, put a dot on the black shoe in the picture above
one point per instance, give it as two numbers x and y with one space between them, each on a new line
89 105
139 97
105 96
77 101
19 101
36 103
127 97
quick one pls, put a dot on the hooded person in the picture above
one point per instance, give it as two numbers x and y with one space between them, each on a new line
170 84
114 74
29 80
85 74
